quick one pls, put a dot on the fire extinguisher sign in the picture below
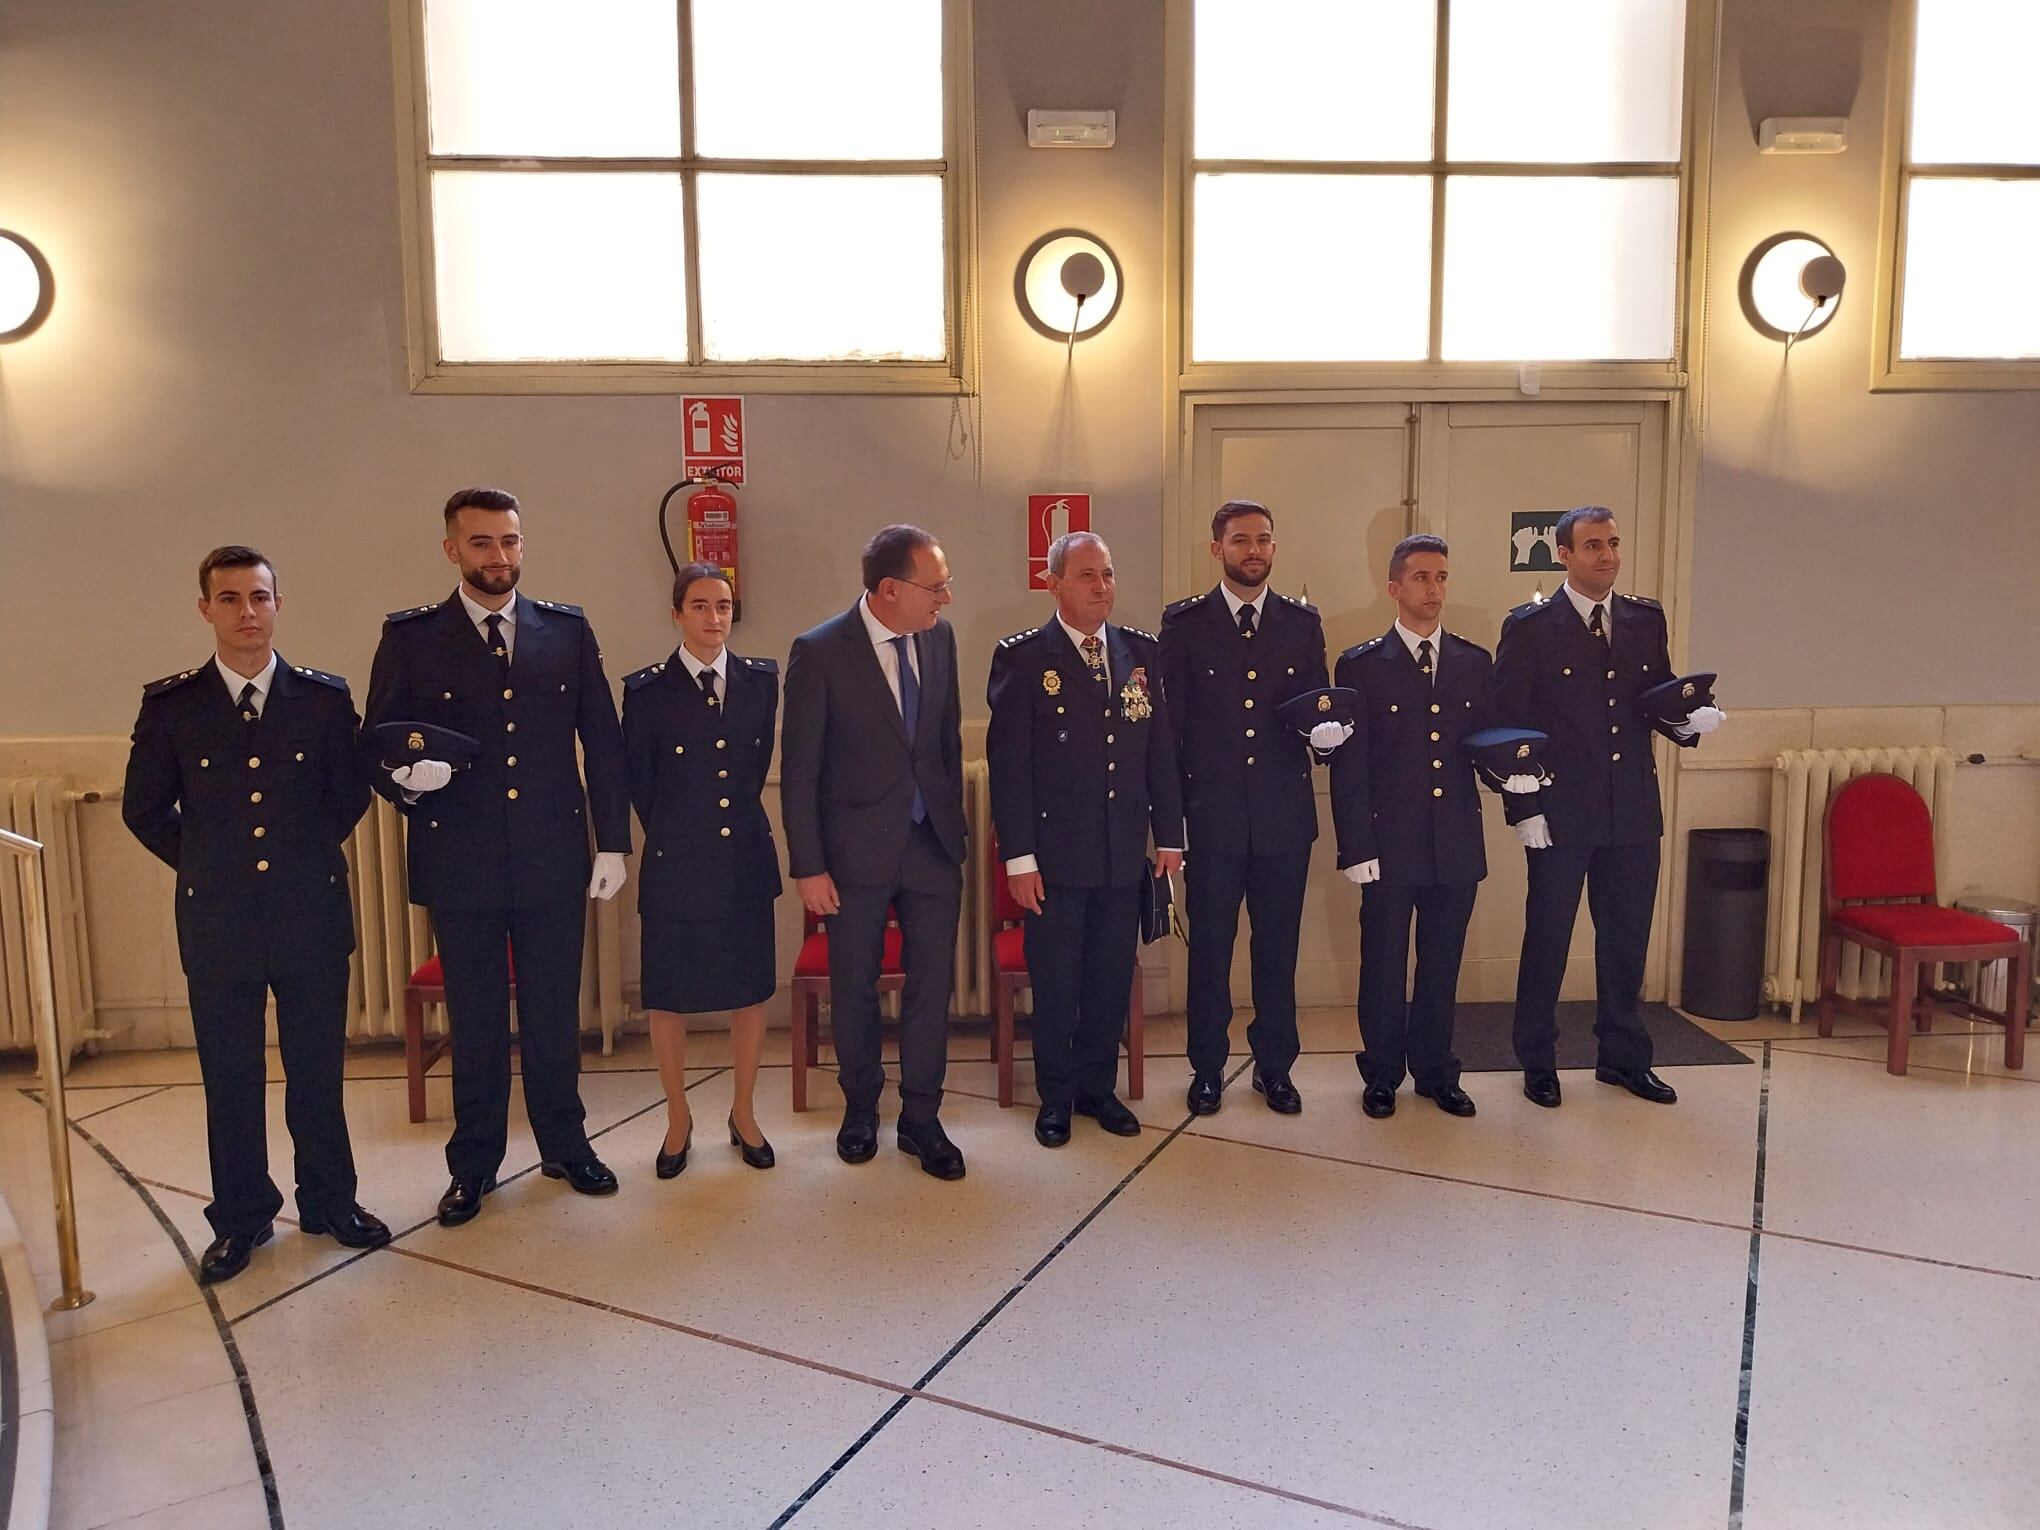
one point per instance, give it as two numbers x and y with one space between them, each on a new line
1048 517
713 438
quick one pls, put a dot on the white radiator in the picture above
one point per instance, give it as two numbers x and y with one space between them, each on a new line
1802 781
46 809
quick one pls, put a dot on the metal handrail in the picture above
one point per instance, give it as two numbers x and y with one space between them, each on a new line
35 916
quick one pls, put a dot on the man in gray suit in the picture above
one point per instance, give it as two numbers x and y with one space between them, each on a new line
871 783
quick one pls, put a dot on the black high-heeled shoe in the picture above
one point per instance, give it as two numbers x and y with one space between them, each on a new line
759 1157
668 1164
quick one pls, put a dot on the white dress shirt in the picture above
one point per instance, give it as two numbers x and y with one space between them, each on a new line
235 682
1233 604
694 667
888 656
1411 639
1584 604
479 614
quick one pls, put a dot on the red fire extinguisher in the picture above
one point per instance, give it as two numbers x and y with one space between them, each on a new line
712 537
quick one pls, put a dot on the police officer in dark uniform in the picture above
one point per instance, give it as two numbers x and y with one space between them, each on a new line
1409 824
1574 667
1083 769
245 778
501 851
1229 658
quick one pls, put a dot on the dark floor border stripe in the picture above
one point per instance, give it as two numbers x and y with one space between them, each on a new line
1738 1472
808 1494
10 1402
263 1465
1803 1050
119 1104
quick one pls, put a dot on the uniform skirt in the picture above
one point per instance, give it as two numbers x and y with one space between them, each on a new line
694 966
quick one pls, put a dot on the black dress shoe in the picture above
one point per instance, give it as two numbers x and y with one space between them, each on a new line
1280 1093
1449 1098
668 1165
927 1141
1641 1082
1540 1087
759 1157
1052 1125
1205 1092
1378 1100
352 1228
463 1199
1110 1114
590 1175
227 1257
857 1140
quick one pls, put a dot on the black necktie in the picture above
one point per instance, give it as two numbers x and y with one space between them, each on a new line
496 646
1430 670
707 679
1246 621
247 703
1597 623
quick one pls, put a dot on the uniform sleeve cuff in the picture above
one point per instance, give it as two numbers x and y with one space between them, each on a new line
1020 865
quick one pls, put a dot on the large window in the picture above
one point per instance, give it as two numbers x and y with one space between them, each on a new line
1966 231
1417 181
655 193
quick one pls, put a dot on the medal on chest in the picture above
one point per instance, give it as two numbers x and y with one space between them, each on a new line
1135 705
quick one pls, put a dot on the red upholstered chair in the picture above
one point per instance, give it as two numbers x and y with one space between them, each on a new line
1009 976
1878 839
428 986
811 986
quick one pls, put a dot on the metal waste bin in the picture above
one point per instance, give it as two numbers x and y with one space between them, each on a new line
1726 900
1987 980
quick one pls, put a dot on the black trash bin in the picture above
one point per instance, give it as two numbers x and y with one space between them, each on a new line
1726 872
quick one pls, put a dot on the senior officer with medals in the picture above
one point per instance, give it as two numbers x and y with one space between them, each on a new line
1409 824
1230 657
245 780
499 853
1576 667
1083 769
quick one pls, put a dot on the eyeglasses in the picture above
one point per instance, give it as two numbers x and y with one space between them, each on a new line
946 587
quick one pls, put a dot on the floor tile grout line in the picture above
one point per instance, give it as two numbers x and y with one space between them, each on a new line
420 1226
2001 1078
265 1469
808 1494
118 1104
1739 1466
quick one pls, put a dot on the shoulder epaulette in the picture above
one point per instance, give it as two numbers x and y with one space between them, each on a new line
337 682
1643 600
1176 607
1529 606
643 676
1018 637
404 616
1359 648
560 606
767 666
169 682
1301 605
1136 632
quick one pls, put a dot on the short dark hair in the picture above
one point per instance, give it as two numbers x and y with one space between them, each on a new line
1234 509
1590 514
890 553
478 499
1423 541
233 555
692 574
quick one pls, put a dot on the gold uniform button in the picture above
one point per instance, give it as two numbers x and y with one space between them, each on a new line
1434 738
1434 706
1108 738
1611 674
509 727
679 748
301 754
1611 701
1393 707
1616 729
1568 671
1110 795
1250 759
725 802
1252 676
254 796
204 764
511 761
260 831
1111 764
722 775
508 693
512 794
254 760
1616 756
1437 791
1058 711
1248 702
446 695
1437 764
1250 733
722 743
726 831
262 865
191 892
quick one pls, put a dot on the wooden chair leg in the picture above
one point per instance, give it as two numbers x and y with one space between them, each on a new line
2018 1000
1136 1037
798 1044
1904 982
1002 1037
1923 998
1830 974
814 1028
414 1051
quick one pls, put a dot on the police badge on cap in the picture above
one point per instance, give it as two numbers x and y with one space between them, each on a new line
405 743
1499 753
1328 703
1676 700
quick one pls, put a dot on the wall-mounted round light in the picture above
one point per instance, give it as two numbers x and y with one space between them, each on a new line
26 289
1058 270
1791 286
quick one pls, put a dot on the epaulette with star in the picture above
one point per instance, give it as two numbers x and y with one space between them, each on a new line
1018 637
1528 606
1136 632
1187 603
562 607
169 682
1360 648
320 676
1300 604
404 616
1641 600
643 676
764 666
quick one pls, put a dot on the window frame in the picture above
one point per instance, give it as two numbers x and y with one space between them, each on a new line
1891 372
430 373
1184 168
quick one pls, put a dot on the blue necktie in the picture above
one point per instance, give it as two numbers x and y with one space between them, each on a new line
910 712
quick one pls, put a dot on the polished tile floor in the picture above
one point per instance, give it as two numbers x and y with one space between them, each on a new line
1530 1319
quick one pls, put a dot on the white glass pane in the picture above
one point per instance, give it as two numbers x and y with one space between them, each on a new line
822 268
818 79
598 77
1973 96
1970 250
1566 81
1315 79
559 267
1558 268
1312 268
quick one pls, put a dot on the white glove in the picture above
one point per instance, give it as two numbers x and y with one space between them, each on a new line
1363 873
1522 786
422 776
1534 833
1327 736
609 875
1703 721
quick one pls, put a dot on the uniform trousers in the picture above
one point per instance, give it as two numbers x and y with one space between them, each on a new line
1407 1029
1273 887
1621 885
311 1030
545 941
1080 951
